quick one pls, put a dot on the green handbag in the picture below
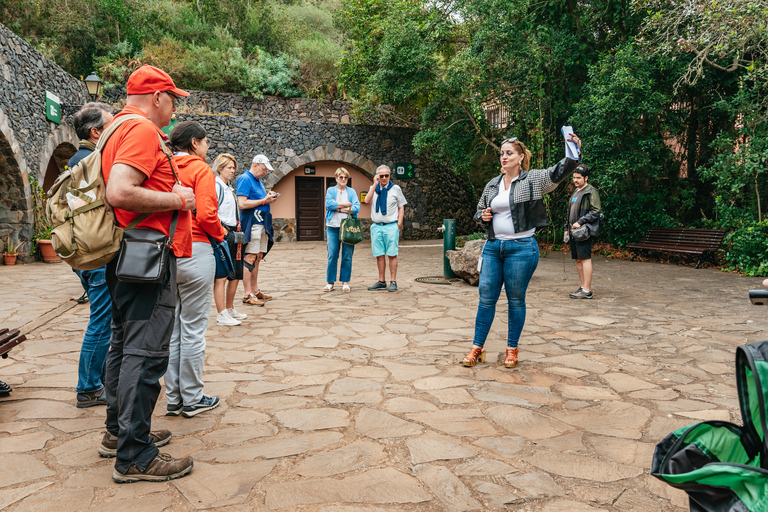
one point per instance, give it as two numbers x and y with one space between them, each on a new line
351 230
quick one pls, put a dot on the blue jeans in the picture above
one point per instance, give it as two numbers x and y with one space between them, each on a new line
511 262
93 352
334 246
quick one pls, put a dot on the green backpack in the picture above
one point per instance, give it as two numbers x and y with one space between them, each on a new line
722 466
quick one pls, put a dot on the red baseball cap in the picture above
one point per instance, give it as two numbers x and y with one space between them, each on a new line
148 79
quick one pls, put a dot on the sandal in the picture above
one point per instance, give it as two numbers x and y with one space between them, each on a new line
328 287
345 287
252 300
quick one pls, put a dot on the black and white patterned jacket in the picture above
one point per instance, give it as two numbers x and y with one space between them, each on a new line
525 198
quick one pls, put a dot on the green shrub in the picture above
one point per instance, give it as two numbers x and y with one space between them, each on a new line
748 250
318 57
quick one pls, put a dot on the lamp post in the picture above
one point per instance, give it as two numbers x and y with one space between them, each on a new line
94 86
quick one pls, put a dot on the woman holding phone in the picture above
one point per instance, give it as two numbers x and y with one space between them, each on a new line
510 209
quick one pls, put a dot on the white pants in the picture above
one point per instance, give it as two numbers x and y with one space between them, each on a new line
195 276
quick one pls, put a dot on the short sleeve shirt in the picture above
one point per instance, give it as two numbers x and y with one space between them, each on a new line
252 188
395 199
136 143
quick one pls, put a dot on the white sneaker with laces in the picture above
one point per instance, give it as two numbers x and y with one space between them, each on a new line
223 318
236 314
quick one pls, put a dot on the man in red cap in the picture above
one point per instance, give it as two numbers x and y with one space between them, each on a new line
141 179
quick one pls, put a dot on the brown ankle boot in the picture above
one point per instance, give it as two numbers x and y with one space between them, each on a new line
475 355
511 360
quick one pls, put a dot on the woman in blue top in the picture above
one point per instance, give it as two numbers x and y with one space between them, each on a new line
340 202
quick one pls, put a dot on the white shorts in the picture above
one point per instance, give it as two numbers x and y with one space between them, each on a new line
259 240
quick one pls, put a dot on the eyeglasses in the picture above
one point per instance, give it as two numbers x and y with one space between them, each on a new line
343 177
383 175
174 98
510 139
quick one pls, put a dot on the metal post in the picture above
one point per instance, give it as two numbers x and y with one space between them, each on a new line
449 244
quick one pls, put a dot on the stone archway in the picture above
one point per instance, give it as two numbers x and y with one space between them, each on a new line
321 153
15 197
59 147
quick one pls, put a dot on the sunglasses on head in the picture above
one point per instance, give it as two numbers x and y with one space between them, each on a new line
510 139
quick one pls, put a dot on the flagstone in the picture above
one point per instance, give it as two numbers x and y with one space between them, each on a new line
569 506
25 442
240 417
236 435
683 405
34 409
713 414
18 468
299 331
263 387
617 419
353 457
483 467
525 423
579 362
403 404
80 451
654 394
57 369
368 372
373 486
322 342
457 422
144 504
312 366
182 426
220 485
313 419
441 383
11 496
497 495
623 383
68 500
503 445
587 393
407 372
15 427
452 396
433 446
364 328
231 377
382 341
272 403
579 466
353 390
454 495
79 424
283 447
535 485
572 442
624 451
49 348
378 425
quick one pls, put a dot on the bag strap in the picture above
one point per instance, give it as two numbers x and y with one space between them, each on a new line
219 196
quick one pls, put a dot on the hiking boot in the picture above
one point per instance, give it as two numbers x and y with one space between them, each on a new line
223 318
173 409
581 294
236 314
91 398
205 404
392 286
162 468
572 294
380 285
108 446
5 389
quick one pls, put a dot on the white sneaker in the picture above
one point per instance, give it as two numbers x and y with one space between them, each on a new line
223 318
236 314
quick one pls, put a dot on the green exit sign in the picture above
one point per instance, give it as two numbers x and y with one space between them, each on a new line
405 171
52 107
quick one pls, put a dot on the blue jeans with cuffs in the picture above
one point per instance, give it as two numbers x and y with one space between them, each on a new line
93 352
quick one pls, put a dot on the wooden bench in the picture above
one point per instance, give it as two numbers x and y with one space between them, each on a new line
688 241
8 340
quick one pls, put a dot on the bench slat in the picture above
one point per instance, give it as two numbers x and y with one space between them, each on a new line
682 240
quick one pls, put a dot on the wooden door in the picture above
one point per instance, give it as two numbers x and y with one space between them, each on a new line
310 209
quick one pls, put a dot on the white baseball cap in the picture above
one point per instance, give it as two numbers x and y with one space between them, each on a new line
261 159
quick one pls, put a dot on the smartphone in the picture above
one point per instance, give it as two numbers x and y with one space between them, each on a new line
759 297
276 194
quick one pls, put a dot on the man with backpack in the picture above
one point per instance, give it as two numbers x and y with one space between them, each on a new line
90 122
141 178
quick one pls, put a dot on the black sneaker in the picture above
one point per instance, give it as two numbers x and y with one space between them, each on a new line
573 294
173 409
5 389
581 294
108 447
205 404
392 286
92 398
380 285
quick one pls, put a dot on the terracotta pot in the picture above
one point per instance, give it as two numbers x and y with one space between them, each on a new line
46 250
10 259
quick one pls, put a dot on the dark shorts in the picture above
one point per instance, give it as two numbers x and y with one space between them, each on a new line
581 250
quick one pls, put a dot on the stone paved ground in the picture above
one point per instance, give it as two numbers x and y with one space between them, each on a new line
357 402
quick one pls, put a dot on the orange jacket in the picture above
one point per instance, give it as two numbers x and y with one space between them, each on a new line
195 174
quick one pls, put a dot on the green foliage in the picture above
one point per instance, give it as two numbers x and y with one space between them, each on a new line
748 250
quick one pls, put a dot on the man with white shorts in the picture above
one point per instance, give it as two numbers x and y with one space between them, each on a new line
387 216
256 221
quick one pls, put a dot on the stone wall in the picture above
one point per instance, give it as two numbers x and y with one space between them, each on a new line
27 138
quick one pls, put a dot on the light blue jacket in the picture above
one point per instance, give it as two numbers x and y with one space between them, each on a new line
331 205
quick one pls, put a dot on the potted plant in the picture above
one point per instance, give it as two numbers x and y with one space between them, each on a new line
12 250
43 226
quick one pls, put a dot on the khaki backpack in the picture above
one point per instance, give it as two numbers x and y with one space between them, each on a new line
85 233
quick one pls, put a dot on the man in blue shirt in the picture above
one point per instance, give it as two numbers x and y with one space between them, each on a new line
89 122
256 221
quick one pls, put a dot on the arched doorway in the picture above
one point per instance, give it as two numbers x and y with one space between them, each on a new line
57 162
14 201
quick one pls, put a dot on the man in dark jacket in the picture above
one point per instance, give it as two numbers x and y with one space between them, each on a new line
584 210
89 122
